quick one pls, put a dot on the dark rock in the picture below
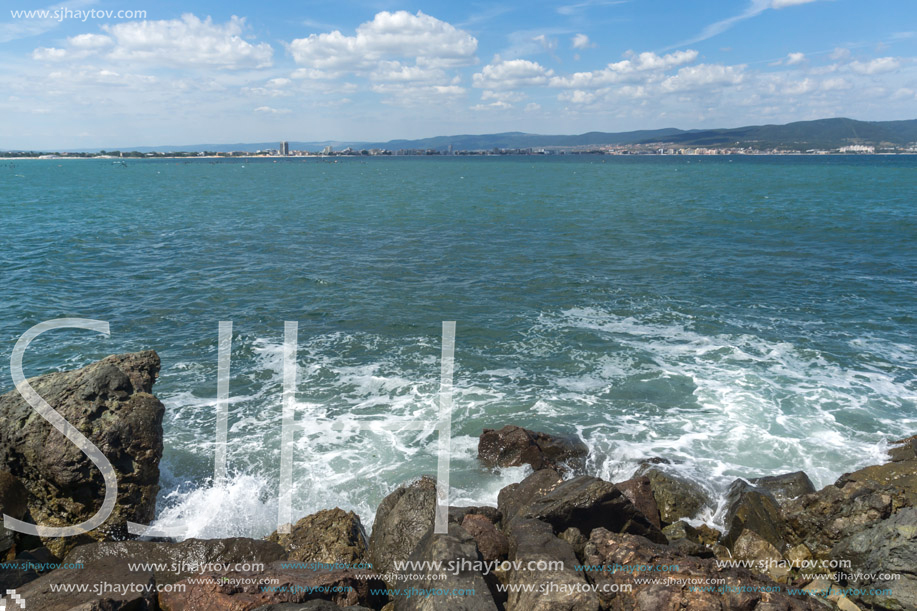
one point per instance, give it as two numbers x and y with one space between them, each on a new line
903 449
675 496
329 536
754 509
457 514
575 538
744 594
492 544
244 591
402 519
180 560
112 586
110 403
14 503
587 503
456 546
885 547
312 605
563 587
901 475
856 501
514 446
25 567
686 539
785 487
514 497
640 492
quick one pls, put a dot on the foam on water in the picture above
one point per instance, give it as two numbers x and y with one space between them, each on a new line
719 406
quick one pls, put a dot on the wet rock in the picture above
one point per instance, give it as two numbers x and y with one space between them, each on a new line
329 536
177 561
686 539
515 497
458 547
402 519
575 538
25 567
110 402
111 586
587 503
457 514
244 591
556 587
754 509
14 503
856 501
639 491
312 605
885 547
492 544
747 590
750 546
675 496
785 487
903 449
514 446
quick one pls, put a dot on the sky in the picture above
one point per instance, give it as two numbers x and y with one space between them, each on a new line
99 73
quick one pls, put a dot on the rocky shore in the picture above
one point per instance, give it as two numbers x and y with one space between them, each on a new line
561 539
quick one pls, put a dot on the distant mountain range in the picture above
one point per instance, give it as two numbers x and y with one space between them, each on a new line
801 135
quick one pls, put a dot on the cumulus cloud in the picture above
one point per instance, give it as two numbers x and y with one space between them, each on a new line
188 41
625 69
512 74
388 36
581 41
703 75
876 66
795 58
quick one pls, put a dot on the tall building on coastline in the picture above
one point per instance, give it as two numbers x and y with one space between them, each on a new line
284 148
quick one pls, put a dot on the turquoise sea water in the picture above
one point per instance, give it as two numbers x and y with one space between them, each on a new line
740 316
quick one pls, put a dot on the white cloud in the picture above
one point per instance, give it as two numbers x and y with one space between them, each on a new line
703 76
795 58
503 96
511 74
840 53
498 105
272 111
581 41
188 41
395 71
532 107
753 10
636 64
876 66
388 36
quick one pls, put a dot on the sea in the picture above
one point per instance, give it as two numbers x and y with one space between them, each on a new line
739 316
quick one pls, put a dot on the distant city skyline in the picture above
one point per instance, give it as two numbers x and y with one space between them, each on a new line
179 73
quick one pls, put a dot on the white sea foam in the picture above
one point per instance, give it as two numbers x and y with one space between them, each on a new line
647 383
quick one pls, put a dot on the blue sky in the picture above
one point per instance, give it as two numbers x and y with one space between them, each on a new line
232 71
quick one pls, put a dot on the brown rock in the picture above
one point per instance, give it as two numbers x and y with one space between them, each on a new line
492 544
675 496
515 497
330 536
13 502
244 591
110 403
640 492
402 519
514 446
752 508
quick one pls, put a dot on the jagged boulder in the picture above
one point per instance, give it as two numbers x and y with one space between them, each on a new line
402 520
110 402
676 497
514 446
588 503
330 536
14 503
556 586
513 498
639 490
459 555
785 487
752 508
492 544
887 547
